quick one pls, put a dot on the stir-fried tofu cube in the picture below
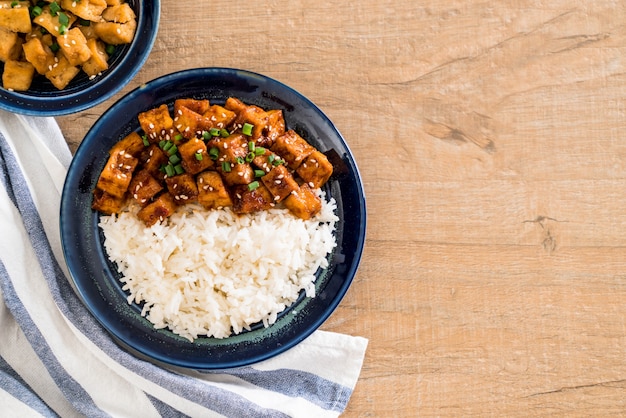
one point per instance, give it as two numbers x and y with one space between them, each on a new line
267 160
212 193
121 13
152 159
113 2
194 155
131 144
143 187
10 45
235 173
198 106
292 148
230 148
74 46
97 63
39 54
62 73
105 203
279 182
183 188
16 19
50 21
315 170
251 114
247 200
88 31
219 116
87 9
303 203
275 127
17 75
117 174
158 211
190 123
157 123
116 33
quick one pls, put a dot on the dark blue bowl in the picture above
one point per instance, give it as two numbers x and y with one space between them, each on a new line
43 99
96 279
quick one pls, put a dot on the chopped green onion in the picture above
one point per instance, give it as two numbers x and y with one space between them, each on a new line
214 153
224 133
162 143
64 19
178 137
162 168
54 8
247 129
253 186
251 146
144 138
110 49
226 167
199 156
63 29
174 159
277 161
84 22
259 151
206 135
36 11
54 47
167 145
249 157
14 3
240 160
271 158
169 170
179 169
43 30
172 150
259 173
214 132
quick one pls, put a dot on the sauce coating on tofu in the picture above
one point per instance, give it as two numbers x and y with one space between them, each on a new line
233 155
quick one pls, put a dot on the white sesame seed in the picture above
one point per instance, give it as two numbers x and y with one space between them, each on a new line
151 126
311 184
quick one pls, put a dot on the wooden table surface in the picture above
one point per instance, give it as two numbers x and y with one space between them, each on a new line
491 144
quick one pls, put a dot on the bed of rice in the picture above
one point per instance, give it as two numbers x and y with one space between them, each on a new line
215 273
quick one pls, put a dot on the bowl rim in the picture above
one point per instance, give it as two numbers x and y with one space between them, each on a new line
73 179
74 100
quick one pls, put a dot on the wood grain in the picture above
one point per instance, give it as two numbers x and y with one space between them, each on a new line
490 139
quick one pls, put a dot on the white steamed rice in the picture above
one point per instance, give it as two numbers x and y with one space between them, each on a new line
216 273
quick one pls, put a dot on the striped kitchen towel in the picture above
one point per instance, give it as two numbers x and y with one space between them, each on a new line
56 360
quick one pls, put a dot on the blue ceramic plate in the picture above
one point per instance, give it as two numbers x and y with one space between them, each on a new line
96 279
43 99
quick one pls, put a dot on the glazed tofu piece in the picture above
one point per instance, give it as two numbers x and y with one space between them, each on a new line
231 162
249 200
303 203
275 127
158 211
16 19
292 148
267 160
39 54
194 155
143 187
157 123
62 73
131 144
74 46
315 170
195 105
105 203
86 9
279 182
17 75
219 116
117 174
190 123
183 188
152 159
212 193
251 114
